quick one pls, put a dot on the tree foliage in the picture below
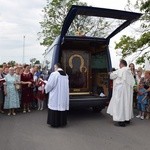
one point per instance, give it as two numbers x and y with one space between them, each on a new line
37 62
11 63
34 61
54 14
138 45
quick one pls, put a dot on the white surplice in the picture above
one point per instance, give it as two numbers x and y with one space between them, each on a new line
58 88
121 103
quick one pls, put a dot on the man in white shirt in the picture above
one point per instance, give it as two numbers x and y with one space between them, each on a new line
121 104
58 103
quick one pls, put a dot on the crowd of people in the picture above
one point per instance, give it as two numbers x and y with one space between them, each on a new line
141 95
21 88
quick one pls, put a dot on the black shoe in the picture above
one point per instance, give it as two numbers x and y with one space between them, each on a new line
127 122
120 124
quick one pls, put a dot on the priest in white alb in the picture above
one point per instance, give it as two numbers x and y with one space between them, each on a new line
58 103
121 103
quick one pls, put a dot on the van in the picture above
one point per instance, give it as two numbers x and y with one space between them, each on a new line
85 56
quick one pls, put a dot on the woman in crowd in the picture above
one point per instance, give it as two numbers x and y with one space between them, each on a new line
146 81
1 90
17 74
18 85
5 71
133 70
11 95
27 90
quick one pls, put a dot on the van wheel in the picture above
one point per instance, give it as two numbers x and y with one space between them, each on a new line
97 109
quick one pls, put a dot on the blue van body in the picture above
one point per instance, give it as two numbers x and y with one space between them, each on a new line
86 59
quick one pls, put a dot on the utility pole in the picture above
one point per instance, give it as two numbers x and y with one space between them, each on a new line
23 49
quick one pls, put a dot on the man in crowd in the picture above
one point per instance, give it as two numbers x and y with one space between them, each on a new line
36 74
120 106
58 88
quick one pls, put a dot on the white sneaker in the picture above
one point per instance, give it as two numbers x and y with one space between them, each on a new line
41 109
24 111
29 110
142 117
138 116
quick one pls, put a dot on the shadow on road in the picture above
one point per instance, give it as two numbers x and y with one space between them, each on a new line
82 114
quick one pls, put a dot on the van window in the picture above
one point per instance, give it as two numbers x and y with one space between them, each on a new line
49 57
91 26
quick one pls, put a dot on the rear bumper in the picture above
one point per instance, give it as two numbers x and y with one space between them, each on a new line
88 102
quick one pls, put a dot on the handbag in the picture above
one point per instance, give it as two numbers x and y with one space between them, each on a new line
17 86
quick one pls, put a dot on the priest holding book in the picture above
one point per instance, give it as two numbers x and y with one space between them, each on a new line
58 103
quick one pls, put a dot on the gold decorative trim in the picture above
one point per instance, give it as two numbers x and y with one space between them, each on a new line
80 93
76 90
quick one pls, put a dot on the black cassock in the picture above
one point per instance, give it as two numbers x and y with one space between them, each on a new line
57 118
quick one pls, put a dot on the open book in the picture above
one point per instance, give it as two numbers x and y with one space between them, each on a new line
2 80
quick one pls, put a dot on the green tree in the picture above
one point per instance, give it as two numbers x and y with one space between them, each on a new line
11 63
138 45
37 62
54 14
33 60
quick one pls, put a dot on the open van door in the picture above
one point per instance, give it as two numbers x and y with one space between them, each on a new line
116 20
78 61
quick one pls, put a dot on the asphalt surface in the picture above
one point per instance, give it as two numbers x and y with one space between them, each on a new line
85 131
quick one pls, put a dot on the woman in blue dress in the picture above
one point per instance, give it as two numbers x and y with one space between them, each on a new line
11 94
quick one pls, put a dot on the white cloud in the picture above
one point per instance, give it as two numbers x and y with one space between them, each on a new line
19 18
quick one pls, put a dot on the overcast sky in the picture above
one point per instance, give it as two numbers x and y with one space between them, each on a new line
20 18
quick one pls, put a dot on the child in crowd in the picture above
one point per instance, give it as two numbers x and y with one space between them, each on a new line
40 93
141 101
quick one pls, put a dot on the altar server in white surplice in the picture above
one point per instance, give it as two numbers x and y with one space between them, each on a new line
58 103
120 106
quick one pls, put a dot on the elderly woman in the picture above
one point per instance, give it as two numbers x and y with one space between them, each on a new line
146 81
11 101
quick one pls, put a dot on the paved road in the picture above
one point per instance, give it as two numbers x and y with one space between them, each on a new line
85 131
